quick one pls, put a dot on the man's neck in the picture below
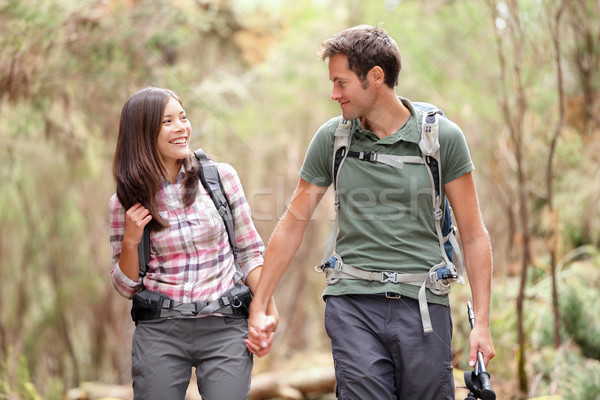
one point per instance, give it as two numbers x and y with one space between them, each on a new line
386 118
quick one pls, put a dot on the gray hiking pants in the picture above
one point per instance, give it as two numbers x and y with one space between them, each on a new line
381 353
164 352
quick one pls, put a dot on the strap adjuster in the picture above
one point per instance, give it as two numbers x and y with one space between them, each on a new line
388 277
367 156
167 304
371 156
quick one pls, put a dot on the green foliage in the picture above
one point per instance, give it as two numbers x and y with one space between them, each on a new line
570 368
567 372
16 382
583 381
581 318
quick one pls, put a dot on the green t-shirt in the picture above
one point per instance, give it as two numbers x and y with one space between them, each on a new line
386 213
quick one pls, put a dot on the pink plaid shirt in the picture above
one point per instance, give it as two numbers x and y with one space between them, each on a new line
191 260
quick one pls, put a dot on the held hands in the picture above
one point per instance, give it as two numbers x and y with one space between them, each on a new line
261 332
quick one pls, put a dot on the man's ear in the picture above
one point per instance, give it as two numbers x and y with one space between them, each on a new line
376 76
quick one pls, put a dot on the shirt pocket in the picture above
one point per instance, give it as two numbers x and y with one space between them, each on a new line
206 226
205 216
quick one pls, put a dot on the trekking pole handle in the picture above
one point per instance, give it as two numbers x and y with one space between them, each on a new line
486 386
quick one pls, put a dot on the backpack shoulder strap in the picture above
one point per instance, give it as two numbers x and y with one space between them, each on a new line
341 146
429 145
209 176
144 251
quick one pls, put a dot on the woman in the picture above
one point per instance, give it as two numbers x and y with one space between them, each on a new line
191 260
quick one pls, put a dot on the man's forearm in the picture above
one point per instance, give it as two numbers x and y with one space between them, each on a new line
282 248
478 260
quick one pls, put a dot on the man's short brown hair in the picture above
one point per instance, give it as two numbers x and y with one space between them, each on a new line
366 47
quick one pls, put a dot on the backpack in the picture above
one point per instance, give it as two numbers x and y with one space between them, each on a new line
148 305
439 277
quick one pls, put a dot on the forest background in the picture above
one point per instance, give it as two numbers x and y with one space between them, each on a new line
521 77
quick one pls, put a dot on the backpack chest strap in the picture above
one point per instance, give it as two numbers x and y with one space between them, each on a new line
388 159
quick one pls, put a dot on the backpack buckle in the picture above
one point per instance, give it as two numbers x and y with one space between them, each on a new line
188 309
388 277
371 156
367 156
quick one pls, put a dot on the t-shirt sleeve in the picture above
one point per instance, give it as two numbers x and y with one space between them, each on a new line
317 165
456 159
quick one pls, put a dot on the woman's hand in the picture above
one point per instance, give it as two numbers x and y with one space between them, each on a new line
136 218
261 334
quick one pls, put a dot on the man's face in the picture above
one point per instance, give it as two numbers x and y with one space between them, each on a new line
348 90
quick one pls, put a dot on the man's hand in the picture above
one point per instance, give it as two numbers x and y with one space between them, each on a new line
480 340
261 332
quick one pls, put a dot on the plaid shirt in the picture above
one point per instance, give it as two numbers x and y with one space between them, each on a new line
191 260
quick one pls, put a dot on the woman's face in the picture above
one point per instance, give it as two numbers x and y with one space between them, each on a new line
174 136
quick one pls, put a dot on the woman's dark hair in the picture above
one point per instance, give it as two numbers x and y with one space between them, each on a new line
138 167
366 47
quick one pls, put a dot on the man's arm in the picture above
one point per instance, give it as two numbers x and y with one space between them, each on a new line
260 350
283 245
478 260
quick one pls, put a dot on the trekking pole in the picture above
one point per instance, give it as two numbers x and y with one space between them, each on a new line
478 380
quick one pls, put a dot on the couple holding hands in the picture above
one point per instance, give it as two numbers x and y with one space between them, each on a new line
379 346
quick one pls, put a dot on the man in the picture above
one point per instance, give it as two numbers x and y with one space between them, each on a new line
385 224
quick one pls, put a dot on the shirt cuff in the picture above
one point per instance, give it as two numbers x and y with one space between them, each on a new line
250 266
124 284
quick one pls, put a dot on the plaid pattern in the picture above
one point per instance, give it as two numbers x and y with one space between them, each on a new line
192 259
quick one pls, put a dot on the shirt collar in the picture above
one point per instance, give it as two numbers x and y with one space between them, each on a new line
409 132
181 173
179 179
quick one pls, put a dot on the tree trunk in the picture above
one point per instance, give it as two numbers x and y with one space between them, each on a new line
514 108
553 214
